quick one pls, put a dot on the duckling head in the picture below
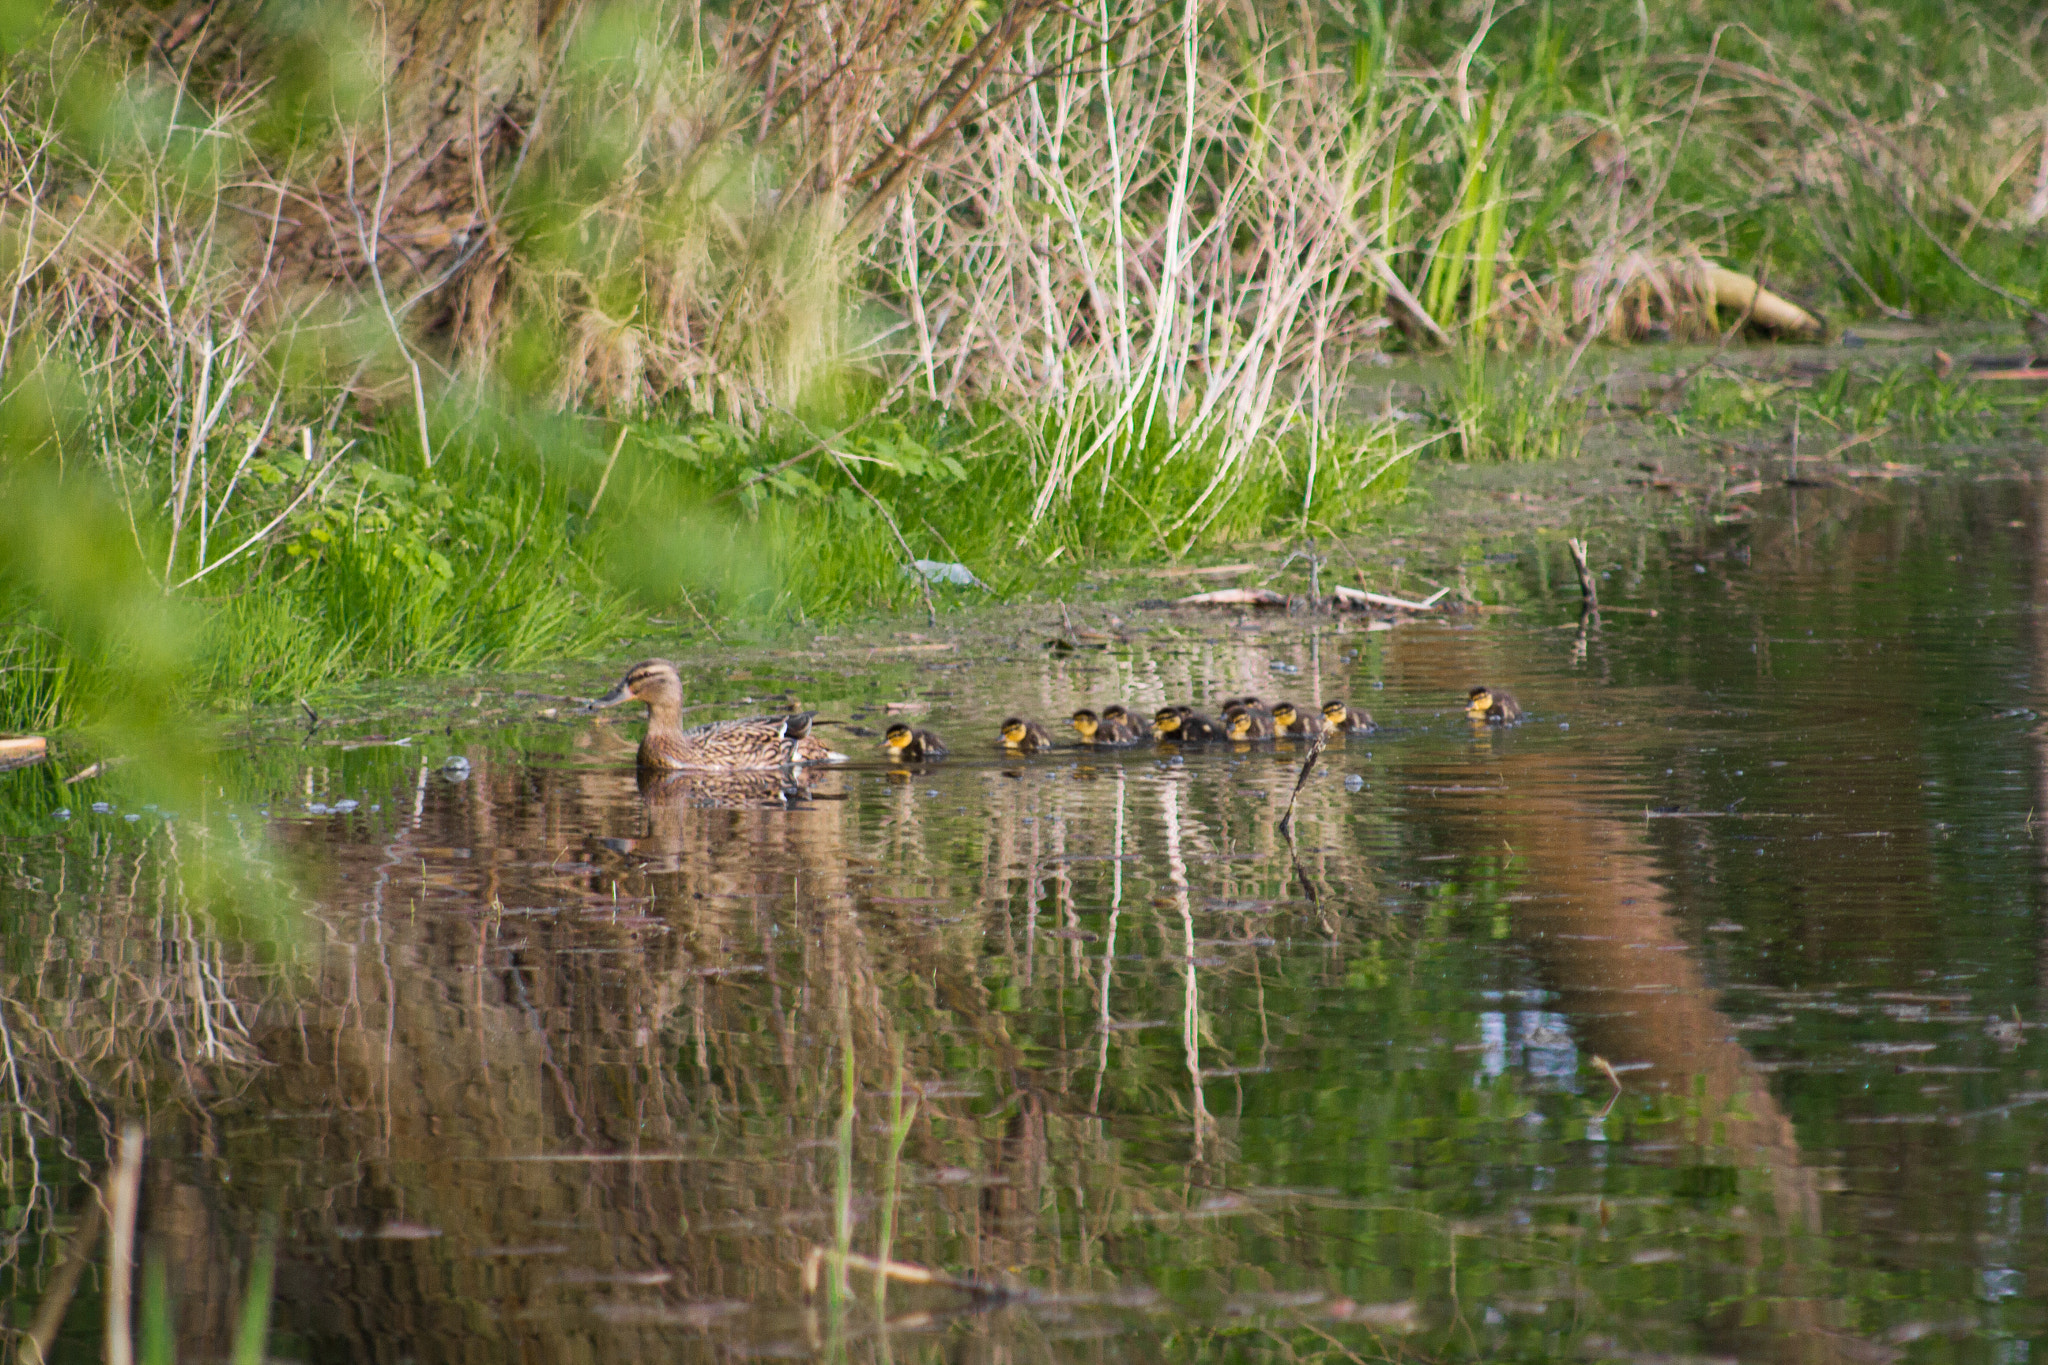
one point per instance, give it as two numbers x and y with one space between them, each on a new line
898 737
1240 725
1478 701
654 681
1284 714
1165 721
1014 732
1086 723
1335 712
1112 714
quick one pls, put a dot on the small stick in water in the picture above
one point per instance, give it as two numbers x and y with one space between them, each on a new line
1587 585
1315 751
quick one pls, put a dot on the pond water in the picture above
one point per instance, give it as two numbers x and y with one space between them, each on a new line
1698 1017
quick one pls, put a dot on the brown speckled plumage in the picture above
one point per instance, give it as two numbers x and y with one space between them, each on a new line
754 744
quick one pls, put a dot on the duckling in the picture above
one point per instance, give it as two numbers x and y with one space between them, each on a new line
1340 719
1025 736
913 746
1493 706
1127 727
1184 724
750 745
1113 729
1287 720
1247 724
1233 705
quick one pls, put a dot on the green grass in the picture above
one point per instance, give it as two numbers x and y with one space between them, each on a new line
497 557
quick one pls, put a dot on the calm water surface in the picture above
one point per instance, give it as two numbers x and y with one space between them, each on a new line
1699 1017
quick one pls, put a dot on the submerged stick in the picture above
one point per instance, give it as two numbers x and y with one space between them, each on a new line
1315 751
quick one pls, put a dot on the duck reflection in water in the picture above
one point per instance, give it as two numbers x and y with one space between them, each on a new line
679 803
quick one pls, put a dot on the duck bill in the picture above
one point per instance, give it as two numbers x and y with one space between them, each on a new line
614 697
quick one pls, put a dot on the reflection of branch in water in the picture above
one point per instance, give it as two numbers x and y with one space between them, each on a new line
1191 1013
1116 901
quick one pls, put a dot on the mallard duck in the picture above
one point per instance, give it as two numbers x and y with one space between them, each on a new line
1287 720
1113 729
913 746
1341 719
1248 723
1493 706
1025 736
750 745
1185 724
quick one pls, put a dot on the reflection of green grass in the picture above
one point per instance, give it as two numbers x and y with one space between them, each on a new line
1906 400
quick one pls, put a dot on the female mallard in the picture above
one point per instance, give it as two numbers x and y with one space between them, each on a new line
750 745
1288 721
1341 719
913 746
1493 706
1113 729
1185 724
1025 736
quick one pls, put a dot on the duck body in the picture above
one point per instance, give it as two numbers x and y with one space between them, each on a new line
1025 736
1339 718
752 744
1493 706
913 746
1113 729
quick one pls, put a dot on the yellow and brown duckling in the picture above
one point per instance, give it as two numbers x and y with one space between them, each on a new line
1113 729
1342 719
750 745
1493 706
1248 723
1025 736
1288 721
913 746
1185 725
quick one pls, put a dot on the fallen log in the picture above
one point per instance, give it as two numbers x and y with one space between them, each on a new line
19 751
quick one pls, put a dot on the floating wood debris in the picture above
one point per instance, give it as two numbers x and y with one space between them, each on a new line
1358 599
1235 597
18 751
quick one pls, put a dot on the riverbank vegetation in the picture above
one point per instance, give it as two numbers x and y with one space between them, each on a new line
343 340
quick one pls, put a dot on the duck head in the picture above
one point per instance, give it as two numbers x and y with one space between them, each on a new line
654 681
